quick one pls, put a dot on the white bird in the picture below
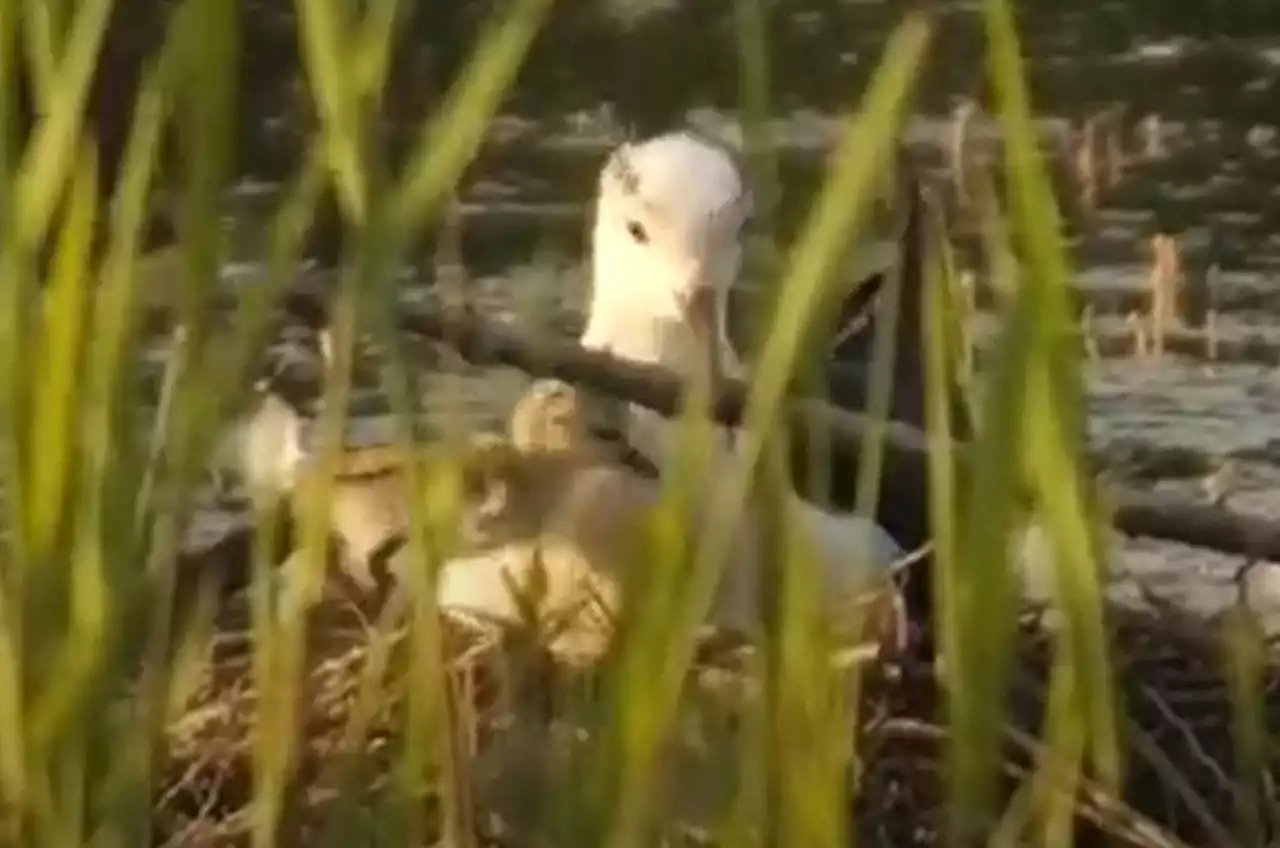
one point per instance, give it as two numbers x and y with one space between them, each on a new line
666 242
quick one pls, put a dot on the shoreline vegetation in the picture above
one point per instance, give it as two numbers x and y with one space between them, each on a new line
141 706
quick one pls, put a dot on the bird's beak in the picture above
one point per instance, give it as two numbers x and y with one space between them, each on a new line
699 310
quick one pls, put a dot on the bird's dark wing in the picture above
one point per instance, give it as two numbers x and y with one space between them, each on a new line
828 474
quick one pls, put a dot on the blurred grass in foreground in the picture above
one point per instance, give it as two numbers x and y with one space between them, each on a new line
90 554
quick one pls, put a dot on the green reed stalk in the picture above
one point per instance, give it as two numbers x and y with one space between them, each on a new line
46 609
1033 400
1055 406
1244 657
384 224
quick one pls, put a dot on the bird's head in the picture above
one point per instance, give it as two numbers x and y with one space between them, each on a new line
666 241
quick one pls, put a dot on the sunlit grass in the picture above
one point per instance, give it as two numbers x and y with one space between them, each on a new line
95 505
1052 441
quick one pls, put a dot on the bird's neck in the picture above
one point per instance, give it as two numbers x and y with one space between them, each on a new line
628 333
636 334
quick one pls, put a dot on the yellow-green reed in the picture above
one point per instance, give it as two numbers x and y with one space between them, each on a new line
1244 658
55 412
9 60
46 711
281 646
38 495
777 779
959 307
791 793
322 25
50 156
113 453
810 726
384 223
1054 405
35 190
108 534
754 97
880 387
447 144
1033 400
42 31
54 401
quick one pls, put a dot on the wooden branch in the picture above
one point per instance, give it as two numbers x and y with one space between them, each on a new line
482 342
1200 525
1136 513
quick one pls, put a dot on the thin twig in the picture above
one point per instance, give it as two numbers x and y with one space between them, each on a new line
1194 747
1096 806
1177 782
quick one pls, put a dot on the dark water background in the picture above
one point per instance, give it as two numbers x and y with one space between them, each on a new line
1208 71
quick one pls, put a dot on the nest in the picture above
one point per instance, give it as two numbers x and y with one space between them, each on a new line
1183 783
1182 786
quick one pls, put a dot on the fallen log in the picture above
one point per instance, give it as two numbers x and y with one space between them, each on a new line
1135 513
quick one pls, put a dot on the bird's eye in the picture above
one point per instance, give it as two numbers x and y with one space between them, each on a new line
637 231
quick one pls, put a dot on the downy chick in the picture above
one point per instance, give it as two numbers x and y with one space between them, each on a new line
553 521
565 516
368 497
504 483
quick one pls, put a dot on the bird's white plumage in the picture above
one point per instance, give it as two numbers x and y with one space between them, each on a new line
265 448
668 218
667 227
667 223
574 599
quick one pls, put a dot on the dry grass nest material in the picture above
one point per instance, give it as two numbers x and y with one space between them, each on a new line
513 729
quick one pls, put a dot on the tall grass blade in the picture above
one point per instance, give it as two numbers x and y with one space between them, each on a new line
36 189
801 726
59 729
113 526
880 387
42 33
51 151
1244 657
10 82
445 147
59 350
763 258
1033 399
54 413
979 599
1055 403
322 24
